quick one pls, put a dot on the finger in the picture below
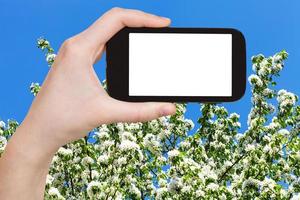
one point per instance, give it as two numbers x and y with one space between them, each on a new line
139 112
116 19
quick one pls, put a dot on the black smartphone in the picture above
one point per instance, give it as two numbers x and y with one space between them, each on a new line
176 65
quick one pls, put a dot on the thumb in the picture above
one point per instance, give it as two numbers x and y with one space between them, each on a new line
139 112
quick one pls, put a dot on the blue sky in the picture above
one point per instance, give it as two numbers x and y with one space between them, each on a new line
269 26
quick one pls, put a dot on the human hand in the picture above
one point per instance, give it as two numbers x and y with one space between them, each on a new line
70 104
72 100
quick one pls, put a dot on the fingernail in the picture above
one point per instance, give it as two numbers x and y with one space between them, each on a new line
165 18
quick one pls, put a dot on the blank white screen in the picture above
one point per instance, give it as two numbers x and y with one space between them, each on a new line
175 64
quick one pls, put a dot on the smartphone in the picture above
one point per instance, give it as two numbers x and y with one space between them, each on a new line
176 65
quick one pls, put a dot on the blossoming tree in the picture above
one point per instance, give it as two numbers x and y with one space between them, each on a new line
160 160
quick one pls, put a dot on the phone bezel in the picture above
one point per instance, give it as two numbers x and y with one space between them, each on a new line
117 60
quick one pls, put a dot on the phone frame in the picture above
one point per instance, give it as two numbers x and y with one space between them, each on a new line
117 60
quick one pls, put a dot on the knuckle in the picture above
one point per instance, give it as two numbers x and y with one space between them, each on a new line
116 10
70 46
139 116
159 113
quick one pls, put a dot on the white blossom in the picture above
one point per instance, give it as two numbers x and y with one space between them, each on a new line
121 161
227 163
186 189
135 190
3 143
49 179
185 144
254 79
277 67
296 196
277 58
102 134
267 149
126 135
234 115
207 172
249 183
284 132
175 185
128 145
91 187
190 123
50 57
2 124
95 174
87 161
103 159
173 153
200 193
120 126
212 186
54 192
160 192
250 147
107 143
65 152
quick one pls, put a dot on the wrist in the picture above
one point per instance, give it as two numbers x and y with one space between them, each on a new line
24 164
27 145
27 149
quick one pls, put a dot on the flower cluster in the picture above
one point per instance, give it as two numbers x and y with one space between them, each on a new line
45 46
167 159
35 88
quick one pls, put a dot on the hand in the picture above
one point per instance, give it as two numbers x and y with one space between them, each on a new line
71 103
72 100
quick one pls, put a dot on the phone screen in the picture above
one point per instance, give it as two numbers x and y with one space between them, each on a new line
180 64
